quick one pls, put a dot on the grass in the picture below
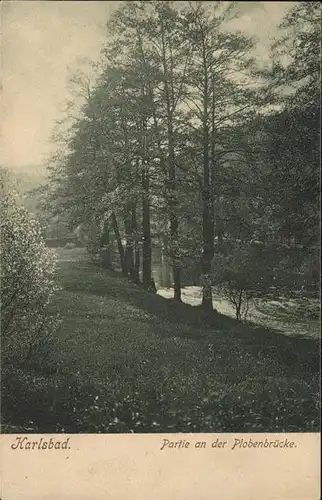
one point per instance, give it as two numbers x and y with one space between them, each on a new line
126 360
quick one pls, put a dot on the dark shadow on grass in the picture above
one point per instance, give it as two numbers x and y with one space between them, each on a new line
298 354
50 395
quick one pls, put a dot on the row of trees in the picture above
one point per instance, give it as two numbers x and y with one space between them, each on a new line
184 143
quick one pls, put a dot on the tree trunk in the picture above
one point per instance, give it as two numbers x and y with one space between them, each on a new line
174 227
171 194
105 245
207 256
129 247
238 305
119 244
146 213
207 208
136 270
136 267
146 226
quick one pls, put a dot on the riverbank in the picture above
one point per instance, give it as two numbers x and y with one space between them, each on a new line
126 360
289 316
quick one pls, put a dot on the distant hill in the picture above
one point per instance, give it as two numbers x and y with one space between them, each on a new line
28 178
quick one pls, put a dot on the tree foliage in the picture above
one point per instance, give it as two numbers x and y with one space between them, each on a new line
27 279
179 144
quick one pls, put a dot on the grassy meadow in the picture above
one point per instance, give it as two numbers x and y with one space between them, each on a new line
127 360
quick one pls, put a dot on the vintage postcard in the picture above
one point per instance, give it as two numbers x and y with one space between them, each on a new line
160 250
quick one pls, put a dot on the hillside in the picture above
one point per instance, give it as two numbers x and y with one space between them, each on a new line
126 360
28 178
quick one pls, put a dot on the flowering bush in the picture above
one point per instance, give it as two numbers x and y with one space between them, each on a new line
27 278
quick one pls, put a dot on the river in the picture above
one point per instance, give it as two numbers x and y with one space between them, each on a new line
298 316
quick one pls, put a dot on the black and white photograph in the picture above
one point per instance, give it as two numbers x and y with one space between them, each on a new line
160 217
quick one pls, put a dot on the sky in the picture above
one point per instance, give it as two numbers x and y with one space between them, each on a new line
43 41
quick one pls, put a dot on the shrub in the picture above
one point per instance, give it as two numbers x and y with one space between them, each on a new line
27 279
244 270
247 270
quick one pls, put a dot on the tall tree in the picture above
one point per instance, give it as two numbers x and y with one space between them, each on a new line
218 97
